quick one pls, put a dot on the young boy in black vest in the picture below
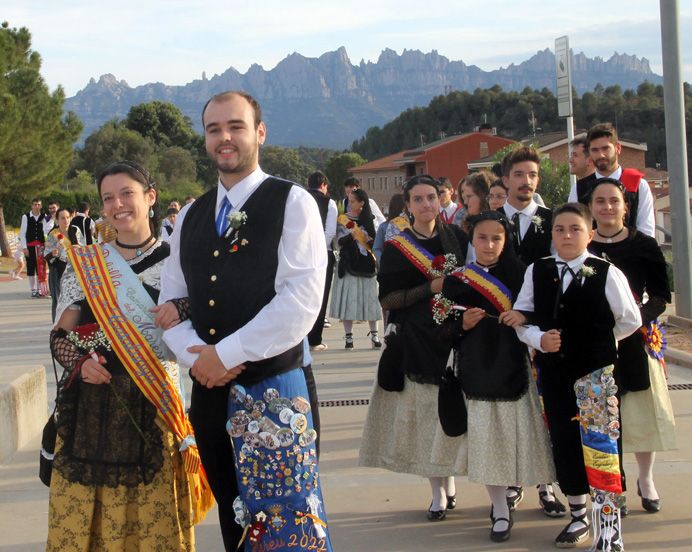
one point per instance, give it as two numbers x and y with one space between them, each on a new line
572 309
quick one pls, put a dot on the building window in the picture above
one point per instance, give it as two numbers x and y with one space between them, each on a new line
386 183
484 152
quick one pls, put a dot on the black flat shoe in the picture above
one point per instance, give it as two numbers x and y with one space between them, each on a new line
651 505
451 502
570 539
436 515
551 508
500 536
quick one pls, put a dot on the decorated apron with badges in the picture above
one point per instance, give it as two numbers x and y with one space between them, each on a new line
280 501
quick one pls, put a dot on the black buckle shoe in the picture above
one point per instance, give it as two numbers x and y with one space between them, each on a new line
436 515
451 502
500 536
514 500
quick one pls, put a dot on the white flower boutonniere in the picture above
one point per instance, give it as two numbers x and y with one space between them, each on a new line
235 220
586 271
536 220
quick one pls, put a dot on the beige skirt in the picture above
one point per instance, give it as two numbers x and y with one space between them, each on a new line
403 434
647 417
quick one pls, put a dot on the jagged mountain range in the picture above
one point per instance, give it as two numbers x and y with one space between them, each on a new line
329 102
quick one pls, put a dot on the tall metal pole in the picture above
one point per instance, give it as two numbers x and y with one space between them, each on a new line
676 146
570 137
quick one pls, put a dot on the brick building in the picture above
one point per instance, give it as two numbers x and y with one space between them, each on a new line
448 157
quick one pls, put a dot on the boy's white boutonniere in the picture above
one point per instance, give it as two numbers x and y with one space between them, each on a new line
537 221
586 271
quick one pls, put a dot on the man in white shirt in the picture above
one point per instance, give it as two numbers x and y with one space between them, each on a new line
604 149
448 209
250 255
32 235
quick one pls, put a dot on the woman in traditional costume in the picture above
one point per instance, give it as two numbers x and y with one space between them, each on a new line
402 431
648 424
126 472
55 253
354 292
508 442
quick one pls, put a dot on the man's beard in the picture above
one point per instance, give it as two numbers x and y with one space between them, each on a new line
605 165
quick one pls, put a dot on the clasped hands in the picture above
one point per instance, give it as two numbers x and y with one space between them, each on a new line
208 369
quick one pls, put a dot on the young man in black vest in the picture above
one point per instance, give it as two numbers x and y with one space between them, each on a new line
318 187
580 162
572 308
604 148
530 222
250 256
85 224
32 235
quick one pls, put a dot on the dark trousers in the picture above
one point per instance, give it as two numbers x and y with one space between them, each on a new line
315 335
208 413
31 261
57 267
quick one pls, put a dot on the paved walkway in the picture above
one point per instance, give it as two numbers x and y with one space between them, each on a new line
369 509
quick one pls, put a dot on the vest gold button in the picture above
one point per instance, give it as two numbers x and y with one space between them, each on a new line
212 302
212 331
213 277
216 253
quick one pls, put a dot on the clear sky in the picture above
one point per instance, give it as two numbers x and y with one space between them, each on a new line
174 41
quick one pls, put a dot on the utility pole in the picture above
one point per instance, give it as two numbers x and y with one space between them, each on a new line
676 147
563 71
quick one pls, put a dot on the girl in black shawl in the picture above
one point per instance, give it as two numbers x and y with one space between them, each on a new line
507 439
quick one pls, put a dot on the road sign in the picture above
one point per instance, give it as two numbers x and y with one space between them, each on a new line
563 72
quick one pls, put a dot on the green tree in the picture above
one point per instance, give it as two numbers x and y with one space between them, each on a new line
337 170
36 138
285 163
114 142
162 122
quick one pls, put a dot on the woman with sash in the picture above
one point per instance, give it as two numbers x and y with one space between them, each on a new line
354 292
55 253
126 472
402 431
507 441
648 424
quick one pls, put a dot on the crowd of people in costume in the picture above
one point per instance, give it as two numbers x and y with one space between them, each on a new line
518 348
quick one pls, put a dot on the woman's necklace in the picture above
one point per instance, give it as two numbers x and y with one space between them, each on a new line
137 248
486 267
609 239
421 235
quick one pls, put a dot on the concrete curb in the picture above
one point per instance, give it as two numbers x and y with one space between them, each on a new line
23 407
676 356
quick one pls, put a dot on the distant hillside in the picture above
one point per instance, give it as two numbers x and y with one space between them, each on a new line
328 101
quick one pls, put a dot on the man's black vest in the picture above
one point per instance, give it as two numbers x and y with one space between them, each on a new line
322 204
84 225
34 228
229 281
582 313
585 187
536 242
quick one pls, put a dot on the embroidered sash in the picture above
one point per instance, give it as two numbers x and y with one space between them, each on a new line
487 285
106 279
357 232
419 257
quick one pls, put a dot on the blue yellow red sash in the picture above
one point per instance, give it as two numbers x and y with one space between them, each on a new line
601 461
487 285
419 257
95 274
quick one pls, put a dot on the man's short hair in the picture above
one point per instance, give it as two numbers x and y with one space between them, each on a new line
576 208
580 141
445 183
171 211
225 96
519 155
83 206
602 130
316 179
36 199
351 181
54 203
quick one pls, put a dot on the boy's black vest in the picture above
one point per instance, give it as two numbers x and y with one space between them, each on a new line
322 204
536 242
582 313
34 228
630 179
229 283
